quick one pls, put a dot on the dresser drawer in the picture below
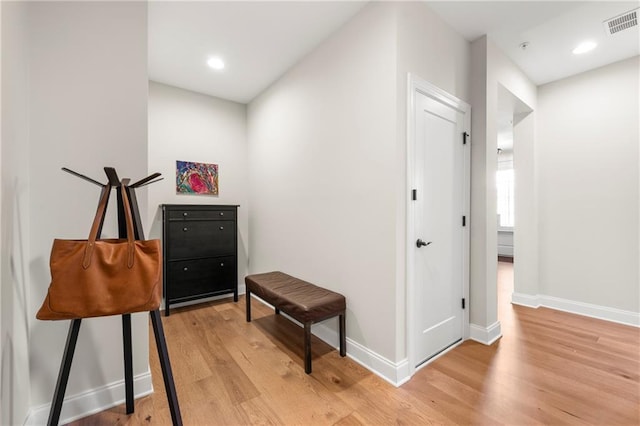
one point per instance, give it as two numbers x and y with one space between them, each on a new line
201 277
191 214
201 239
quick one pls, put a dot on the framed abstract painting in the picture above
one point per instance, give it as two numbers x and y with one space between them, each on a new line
196 178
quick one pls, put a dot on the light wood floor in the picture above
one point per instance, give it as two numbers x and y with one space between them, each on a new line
549 367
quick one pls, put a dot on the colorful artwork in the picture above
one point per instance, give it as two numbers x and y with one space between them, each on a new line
196 178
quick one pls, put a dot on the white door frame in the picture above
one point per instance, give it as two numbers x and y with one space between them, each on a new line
418 85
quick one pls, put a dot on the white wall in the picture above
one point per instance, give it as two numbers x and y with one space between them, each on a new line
525 239
431 49
87 109
14 229
588 141
479 278
327 163
322 167
189 126
491 69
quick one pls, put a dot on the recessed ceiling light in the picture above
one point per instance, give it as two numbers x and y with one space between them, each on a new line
584 47
216 63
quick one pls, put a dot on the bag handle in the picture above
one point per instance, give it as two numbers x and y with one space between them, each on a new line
100 212
93 234
129 220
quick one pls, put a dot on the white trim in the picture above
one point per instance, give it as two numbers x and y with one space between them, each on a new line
485 335
528 300
579 308
409 253
416 84
396 373
92 401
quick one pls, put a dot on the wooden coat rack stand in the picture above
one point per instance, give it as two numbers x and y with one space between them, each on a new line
74 328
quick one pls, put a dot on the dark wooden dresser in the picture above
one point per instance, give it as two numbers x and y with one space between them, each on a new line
200 255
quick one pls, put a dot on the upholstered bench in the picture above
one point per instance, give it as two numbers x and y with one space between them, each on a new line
303 301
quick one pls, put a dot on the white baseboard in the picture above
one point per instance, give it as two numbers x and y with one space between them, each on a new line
580 308
92 401
485 335
395 373
527 300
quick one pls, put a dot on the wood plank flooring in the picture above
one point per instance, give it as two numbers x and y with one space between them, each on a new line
549 367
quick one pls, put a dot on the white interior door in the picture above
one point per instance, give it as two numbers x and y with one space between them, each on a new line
439 233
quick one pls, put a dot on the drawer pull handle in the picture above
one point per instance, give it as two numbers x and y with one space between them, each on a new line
185 214
185 229
222 264
221 213
222 228
185 269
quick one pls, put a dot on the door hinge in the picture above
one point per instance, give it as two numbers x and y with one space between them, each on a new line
465 136
414 194
463 304
464 221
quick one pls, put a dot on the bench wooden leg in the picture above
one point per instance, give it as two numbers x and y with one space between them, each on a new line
248 297
343 335
307 348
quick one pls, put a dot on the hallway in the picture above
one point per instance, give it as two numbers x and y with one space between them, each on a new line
549 367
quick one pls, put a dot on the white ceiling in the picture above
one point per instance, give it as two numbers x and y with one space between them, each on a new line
260 40
552 30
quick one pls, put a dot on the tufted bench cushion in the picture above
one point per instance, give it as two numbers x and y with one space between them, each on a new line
299 299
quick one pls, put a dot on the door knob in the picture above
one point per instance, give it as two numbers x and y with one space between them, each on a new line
421 243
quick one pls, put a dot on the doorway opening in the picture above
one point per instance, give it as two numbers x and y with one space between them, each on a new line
512 181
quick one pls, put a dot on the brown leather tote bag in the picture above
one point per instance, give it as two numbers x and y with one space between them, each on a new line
94 278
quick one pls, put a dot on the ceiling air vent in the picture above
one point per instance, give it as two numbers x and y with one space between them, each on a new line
621 22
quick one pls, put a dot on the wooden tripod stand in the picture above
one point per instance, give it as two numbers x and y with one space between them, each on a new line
74 328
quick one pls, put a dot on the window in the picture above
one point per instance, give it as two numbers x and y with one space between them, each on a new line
504 182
